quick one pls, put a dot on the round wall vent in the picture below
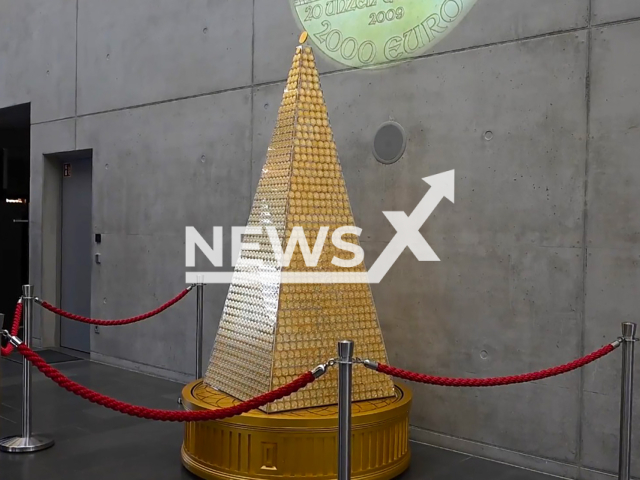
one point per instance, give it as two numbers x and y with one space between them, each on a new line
389 143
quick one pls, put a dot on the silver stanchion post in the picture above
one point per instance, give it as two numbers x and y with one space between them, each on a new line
199 326
26 443
626 401
345 372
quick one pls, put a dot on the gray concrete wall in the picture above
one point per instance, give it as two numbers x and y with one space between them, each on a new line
540 253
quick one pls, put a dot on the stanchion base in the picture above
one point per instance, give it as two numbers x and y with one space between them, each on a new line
31 444
299 443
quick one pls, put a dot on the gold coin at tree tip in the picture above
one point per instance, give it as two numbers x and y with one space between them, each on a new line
303 37
369 33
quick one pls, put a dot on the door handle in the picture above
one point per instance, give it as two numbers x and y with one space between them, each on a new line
18 220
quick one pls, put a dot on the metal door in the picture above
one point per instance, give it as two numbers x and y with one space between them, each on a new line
76 255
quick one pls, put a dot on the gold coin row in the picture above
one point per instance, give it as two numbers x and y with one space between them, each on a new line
248 290
310 93
286 115
302 301
239 385
260 327
308 100
347 287
316 112
312 156
304 85
272 214
285 358
309 346
304 288
289 103
281 144
245 296
274 218
317 225
310 138
300 77
251 359
278 161
282 132
303 191
319 170
251 371
315 192
266 206
300 73
281 139
243 331
256 321
240 338
266 254
303 304
312 110
254 359
276 177
241 315
330 213
324 159
346 295
324 260
320 178
307 333
278 158
346 314
293 369
240 309
283 128
313 121
325 325
358 306
304 127
320 204
364 378
309 142
278 185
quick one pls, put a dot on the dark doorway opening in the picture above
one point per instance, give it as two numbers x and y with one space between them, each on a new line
15 123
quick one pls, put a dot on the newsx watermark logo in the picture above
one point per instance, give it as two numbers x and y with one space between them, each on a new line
407 236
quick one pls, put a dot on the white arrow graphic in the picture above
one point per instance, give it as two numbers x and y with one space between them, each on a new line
407 235
408 228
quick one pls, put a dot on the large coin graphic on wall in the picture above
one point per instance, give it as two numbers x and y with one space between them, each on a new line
369 33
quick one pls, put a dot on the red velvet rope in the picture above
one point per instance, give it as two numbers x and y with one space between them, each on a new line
114 323
494 382
163 415
15 327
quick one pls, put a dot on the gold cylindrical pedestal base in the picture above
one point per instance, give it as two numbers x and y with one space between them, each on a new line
299 443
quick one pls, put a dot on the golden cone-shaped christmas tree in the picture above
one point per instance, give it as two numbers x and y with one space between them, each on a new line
271 332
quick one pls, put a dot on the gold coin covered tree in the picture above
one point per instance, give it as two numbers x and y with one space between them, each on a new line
272 331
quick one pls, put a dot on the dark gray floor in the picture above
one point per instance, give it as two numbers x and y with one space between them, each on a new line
96 443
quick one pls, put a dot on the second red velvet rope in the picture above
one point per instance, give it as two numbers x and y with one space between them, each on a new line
162 415
15 328
496 381
114 323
